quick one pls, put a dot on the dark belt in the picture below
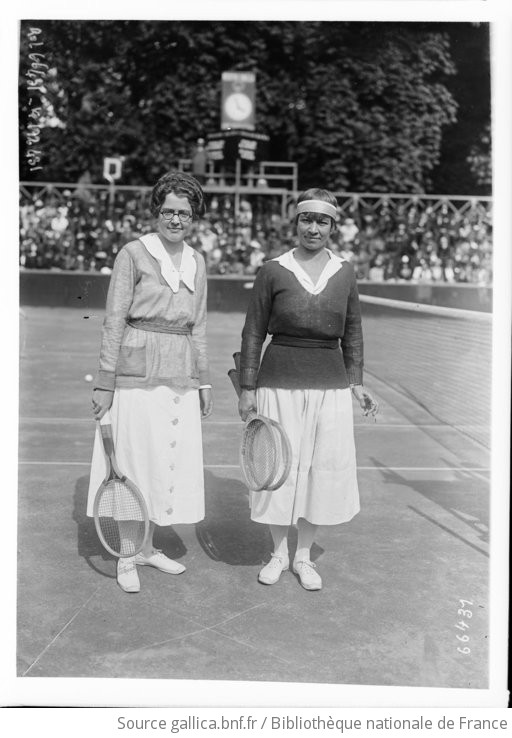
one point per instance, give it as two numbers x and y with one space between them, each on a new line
156 327
280 339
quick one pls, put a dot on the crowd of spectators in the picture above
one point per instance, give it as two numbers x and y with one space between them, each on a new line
386 240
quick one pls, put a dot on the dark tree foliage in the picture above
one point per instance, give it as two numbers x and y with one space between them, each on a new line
480 161
465 163
359 106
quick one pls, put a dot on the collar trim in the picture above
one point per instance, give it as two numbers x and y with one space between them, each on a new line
172 276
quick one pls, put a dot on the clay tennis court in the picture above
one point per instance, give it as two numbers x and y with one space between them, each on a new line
393 578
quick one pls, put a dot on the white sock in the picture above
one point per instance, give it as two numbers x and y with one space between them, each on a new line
280 537
305 535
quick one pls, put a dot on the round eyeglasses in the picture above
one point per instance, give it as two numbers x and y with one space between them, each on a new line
183 215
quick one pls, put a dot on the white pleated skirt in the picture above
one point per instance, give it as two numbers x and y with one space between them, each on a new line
158 445
322 484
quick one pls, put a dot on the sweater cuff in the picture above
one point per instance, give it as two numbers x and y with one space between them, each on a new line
204 377
355 375
105 380
248 378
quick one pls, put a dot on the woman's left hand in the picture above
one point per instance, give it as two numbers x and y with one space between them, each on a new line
206 402
368 405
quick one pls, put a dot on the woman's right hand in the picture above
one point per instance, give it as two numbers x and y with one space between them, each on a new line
247 403
101 402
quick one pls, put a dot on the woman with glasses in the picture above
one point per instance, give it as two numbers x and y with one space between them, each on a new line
307 300
153 370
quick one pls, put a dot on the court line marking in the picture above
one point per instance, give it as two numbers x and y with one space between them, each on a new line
458 427
366 424
205 629
384 468
64 627
481 476
237 466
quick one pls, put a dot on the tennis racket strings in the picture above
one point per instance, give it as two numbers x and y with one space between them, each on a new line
265 451
265 454
283 455
121 519
120 511
258 454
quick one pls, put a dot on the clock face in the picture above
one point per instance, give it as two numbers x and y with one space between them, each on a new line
238 106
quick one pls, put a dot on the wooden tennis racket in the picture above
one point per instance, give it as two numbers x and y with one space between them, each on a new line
120 511
265 451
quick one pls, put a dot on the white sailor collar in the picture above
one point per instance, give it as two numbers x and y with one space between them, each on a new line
288 261
172 276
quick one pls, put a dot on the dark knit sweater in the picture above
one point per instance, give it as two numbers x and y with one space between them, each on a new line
327 326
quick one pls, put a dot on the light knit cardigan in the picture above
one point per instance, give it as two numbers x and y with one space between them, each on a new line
131 357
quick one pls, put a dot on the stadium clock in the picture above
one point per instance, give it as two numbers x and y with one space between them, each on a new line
238 106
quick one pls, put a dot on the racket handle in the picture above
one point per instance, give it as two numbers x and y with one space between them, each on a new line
106 419
236 359
235 381
106 433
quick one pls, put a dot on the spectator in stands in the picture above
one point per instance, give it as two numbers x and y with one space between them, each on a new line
349 231
362 262
347 252
404 269
422 271
256 257
64 230
444 248
377 269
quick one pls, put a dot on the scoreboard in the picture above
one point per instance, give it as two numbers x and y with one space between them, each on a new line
228 146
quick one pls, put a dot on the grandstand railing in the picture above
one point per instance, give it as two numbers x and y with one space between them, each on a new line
63 190
351 204
455 205
446 238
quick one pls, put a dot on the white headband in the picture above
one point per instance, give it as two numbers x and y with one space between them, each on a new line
317 206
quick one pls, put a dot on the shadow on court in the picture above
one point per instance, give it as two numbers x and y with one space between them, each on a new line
226 534
448 497
393 577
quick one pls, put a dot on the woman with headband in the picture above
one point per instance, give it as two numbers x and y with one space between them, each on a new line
307 300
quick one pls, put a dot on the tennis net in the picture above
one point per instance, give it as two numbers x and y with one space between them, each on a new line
440 358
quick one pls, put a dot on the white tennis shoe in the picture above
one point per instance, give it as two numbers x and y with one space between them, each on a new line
160 561
272 571
309 578
127 576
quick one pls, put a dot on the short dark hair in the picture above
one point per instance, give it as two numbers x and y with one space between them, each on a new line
181 184
316 193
